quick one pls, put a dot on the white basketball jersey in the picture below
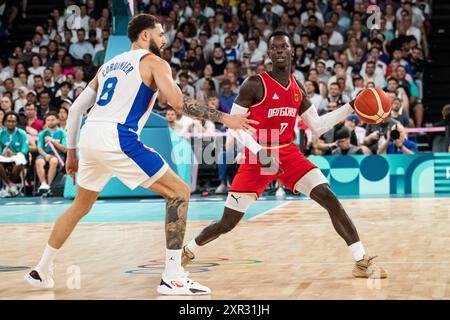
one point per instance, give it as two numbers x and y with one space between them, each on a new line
122 96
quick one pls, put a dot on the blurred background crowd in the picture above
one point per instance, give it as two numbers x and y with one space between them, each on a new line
339 49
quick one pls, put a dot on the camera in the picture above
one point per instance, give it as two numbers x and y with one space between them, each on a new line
395 134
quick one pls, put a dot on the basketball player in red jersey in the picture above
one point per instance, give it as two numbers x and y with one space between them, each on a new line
274 100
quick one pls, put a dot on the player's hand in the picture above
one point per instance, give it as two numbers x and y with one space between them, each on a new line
239 121
269 164
48 139
72 163
47 157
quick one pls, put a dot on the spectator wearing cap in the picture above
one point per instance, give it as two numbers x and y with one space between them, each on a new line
354 124
78 49
343 145
32 120
31 96
227 97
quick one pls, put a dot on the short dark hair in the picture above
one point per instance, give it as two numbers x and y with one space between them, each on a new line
30 104
139 23
280 33
51 113
11 113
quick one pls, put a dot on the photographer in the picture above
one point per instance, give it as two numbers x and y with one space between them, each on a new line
397 142
377 133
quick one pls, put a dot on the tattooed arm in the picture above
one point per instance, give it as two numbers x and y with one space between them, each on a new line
161 73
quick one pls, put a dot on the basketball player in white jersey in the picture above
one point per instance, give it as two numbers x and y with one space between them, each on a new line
122 95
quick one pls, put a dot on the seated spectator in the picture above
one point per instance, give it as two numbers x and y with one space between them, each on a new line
45 105
343 144
397 142
171 117
51 140
6 104
63 114
312 91
14 152
81 47
32 120
227 97
397 113
185 86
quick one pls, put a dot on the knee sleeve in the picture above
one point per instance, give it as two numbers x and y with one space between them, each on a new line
309 181
239 201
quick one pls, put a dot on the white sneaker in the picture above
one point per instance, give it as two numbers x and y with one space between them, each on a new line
13 191
280 193
4 193
181 286
37 280
44 187
221 189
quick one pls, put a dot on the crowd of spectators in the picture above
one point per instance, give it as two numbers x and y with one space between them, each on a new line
212 47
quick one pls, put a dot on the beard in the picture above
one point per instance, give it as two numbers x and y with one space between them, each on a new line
154 48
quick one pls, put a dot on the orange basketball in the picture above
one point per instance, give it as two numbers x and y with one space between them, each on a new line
372 105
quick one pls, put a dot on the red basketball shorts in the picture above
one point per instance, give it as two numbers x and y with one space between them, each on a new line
250 179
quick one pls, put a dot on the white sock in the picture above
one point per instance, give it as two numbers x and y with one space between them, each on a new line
47 259
357 250
192 246
173 267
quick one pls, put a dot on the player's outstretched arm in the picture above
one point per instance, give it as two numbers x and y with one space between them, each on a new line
190 107
320 125
84 101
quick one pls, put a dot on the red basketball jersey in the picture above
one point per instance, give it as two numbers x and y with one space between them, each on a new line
277 111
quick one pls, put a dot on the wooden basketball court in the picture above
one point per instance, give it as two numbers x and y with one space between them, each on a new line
290 252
